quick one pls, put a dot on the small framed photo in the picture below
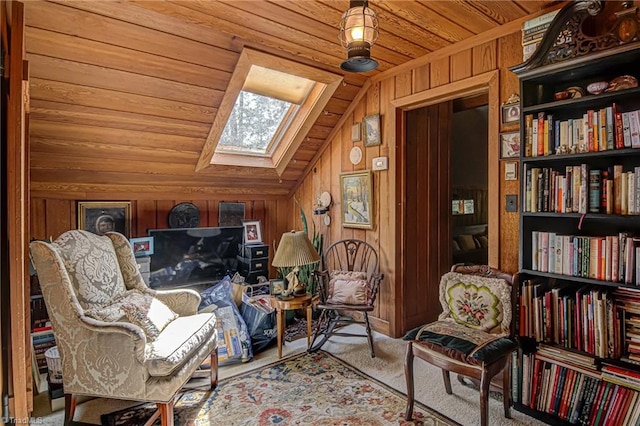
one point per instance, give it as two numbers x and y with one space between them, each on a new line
355 132
510 113
104 216
371 124
252 231
511 170
276 287
142 246
356 194
510 145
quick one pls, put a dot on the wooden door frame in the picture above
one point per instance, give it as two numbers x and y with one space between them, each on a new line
483 83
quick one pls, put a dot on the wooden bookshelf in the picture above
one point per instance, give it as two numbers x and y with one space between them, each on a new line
579 304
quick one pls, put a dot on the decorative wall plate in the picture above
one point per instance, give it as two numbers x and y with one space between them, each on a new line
355 156
327 220
325 199
184 215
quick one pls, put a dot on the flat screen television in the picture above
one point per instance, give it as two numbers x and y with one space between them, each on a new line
193 256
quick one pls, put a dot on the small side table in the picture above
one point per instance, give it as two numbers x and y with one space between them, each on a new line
281 306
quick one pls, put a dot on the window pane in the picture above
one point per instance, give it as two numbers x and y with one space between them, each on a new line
252 124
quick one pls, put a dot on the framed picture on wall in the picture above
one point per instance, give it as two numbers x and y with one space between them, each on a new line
230 214
105 216
371 128
510 145
356 194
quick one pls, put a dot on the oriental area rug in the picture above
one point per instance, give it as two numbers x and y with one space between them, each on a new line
305 389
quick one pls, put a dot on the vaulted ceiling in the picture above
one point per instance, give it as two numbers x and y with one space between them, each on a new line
124 93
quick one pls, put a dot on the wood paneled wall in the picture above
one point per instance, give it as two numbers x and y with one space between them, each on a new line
53 216
437 76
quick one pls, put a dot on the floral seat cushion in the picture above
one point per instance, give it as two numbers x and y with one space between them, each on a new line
475 321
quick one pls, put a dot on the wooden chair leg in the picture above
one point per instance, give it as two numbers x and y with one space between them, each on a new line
369 335
214 368
447 381
166 413
485 383
506 388
69 407
408 374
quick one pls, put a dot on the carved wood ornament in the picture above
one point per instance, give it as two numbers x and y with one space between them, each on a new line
576 31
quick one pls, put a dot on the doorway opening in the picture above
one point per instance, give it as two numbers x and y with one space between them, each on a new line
469 180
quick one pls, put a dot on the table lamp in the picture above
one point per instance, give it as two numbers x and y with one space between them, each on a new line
294 250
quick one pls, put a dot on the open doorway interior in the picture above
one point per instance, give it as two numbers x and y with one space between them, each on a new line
469 180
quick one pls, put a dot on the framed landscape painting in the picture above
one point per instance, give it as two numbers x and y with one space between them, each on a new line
356 193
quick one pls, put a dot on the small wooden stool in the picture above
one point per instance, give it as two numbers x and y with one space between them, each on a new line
281 306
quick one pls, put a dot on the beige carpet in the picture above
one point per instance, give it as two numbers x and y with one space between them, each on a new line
462 406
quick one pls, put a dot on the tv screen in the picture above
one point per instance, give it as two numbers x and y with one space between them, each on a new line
193 256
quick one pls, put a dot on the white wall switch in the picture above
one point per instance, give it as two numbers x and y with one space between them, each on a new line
380 163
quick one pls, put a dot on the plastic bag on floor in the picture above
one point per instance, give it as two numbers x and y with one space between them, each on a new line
234 343
261 321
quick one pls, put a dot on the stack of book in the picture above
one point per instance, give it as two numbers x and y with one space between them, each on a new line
42 339
532 32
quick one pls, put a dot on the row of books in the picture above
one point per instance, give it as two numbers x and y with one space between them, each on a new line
582 189
578 395
532 32
613 258
628 303
584 319
596 130
42 340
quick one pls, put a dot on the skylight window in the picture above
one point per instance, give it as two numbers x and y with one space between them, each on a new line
259 116
269 106
253 124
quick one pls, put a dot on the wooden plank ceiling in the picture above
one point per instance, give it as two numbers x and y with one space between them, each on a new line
123 93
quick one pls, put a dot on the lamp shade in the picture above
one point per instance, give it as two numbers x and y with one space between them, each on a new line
294 249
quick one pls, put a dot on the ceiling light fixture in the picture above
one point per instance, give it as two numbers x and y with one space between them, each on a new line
358 32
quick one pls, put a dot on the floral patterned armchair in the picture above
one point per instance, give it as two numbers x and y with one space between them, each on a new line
473 335
118 338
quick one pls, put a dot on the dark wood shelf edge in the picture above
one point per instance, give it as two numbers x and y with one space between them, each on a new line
539 415
586 100
583 155
576 279
578 215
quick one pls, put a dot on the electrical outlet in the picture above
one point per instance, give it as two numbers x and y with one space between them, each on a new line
511 203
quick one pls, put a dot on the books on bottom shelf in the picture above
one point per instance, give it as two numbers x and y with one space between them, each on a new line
578 395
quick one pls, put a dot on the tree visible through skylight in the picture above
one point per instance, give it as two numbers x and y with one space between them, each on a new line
253 123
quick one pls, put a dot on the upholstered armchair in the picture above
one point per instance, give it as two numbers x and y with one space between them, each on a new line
118 338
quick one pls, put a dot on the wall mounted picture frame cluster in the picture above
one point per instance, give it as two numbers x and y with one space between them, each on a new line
356 194
100 217
371 128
